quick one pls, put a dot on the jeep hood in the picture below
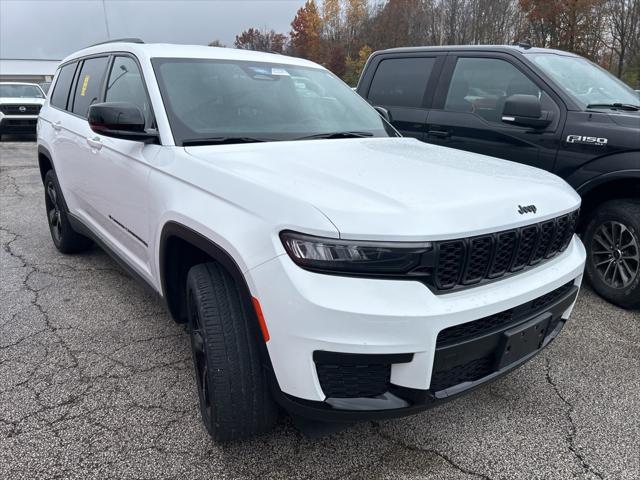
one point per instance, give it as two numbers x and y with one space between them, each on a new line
384 188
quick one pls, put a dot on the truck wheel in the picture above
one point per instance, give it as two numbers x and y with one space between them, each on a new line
612 238
64 237
235 401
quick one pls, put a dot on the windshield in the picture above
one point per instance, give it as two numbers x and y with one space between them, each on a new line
256 101
587 83
15 90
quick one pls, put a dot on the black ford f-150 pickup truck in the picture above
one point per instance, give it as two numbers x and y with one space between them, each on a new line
546 108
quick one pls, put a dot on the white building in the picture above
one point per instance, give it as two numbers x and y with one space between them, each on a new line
19 70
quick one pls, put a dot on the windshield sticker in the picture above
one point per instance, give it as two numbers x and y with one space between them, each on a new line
259 70
279 71
85 82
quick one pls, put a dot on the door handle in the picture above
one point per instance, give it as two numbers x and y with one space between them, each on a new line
439 133
57 126
94 143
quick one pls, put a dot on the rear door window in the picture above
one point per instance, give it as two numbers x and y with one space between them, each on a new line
401 82
60 93
89 85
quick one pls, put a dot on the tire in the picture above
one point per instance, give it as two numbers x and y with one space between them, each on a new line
612 239
64 237
233 390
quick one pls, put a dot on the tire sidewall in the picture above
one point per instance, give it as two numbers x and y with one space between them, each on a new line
613 211
194 301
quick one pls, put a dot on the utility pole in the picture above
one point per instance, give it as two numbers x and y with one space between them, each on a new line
106 22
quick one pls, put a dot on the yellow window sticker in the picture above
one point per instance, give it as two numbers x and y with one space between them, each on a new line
85 82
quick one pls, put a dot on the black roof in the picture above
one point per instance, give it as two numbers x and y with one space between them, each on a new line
510 49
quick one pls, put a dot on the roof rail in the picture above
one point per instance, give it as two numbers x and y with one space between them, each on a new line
524 43
118 40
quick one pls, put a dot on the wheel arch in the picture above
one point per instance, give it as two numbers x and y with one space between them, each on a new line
609 186
45 161
180 248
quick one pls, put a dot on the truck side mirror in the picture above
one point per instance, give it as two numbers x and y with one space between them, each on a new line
384 113
526 111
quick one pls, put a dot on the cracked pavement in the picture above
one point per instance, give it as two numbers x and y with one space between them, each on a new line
96 382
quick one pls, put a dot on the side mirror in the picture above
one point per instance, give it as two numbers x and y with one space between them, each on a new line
384 113
526 111
119 120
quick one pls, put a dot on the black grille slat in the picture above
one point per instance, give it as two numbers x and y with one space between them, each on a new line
572 223
480 250
450 264
526 244
505 247
544 242
470 261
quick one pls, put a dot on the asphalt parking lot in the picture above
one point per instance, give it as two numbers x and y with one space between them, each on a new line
96 382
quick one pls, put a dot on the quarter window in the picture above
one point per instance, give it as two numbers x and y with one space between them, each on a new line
60 93
125 84
481 86
89 85
401 82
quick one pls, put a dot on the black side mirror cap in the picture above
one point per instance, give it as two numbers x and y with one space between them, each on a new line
525 110
384 113
119 120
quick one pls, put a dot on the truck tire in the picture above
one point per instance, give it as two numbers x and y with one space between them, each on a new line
64 237
612 239
233 390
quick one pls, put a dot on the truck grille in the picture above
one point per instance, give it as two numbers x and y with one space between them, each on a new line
470 261
18 109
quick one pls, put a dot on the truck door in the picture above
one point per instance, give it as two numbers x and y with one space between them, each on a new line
467 110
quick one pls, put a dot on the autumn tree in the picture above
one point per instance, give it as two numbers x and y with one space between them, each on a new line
261 40
355 65
306 29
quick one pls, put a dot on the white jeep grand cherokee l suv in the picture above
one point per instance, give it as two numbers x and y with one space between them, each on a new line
321 262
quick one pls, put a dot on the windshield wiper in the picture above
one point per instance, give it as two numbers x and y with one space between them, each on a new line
619 106
192 142
337 135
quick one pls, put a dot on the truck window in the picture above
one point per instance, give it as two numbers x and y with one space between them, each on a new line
401 82
481 85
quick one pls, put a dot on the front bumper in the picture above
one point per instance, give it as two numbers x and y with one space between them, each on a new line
18 123
310 315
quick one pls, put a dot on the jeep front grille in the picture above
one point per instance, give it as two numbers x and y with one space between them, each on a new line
471 261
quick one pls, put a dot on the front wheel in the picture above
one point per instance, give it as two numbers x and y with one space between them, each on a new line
64 237
235 401
612 239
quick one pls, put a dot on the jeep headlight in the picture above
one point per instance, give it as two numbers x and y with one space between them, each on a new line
353 256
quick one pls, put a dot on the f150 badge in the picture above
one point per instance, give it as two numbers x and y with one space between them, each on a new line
527 209
598 141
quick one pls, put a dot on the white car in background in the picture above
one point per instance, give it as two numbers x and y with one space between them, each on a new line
20 105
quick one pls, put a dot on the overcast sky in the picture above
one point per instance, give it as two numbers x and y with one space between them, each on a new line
52 29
